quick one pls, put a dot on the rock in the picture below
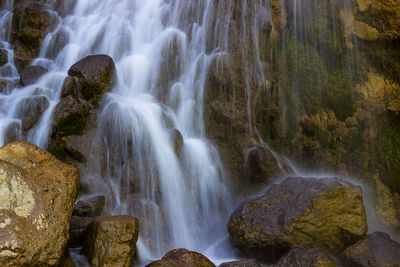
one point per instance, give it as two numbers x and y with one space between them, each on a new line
37 199
307 257
376 249
3 57
31 74
78 230
75 116
31 110
66 260
177 140
182 258
12 132
264 166
242 263
110 241
312 212
30 23
7 85
90 206
96 76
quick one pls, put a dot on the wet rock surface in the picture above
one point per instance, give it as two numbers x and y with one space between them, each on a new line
182 258
111 240
307 257
90 206
31 110
31 74
376 249
242 263
3 56
37 198
326 212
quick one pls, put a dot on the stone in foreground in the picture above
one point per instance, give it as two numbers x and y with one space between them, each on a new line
37 195
182 258
111 240
312 212
376 249
307 257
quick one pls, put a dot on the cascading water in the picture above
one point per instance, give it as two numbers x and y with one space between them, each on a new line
180 197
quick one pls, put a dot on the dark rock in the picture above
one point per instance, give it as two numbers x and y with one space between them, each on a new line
90 206
13 132
376 249
77 230
31 110
242 263
177 140
31 74
110 241
312 212
30 23
264 166
3 56
307 257
96 76
66 260
182 258
7 85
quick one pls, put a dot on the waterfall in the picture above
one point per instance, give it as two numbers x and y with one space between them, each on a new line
181 199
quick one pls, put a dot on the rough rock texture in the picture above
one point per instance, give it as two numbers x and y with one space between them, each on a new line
31 74
31 110
182 258
75 116
3 57
37 198
242 263
376 249
326 212
77 231
30 23
307 257
110 241
90 206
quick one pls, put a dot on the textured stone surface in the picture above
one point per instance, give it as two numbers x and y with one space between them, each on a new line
31 74
307 257
376 249
182 258
326 212
242 263
89 206
37 198
110 241
31 110
3 56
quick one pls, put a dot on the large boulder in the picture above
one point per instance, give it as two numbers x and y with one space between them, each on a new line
376 249
111 240
242 263
31 74
326 212
75 116
307 257
31 22
36 202
182 258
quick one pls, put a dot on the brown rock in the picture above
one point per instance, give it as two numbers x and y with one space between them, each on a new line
78 230
182 258
242 263
30 23
376 249
31 110
307 257
111 240
37 198
325 212
90 206
31 74
13 132
3 57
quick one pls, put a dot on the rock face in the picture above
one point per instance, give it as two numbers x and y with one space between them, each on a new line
75 116
37 198
31 74
326 212
30 23
307 257
242 263
376 249
90 206
182 258
31 110
3 57
110 241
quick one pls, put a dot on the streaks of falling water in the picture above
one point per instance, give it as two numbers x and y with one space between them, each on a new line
182 199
